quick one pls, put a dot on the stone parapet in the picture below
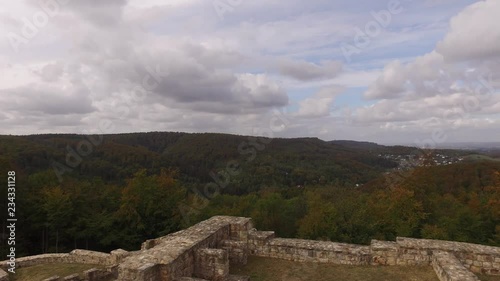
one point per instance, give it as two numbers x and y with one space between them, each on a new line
206 250
384 253
477 258
449 268
211 264
75 256
315 251
237 250
175 253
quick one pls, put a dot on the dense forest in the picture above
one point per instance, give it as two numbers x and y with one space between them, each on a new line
115 191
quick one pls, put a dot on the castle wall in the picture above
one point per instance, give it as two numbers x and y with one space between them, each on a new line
405 251
177 254
314 251
206 250
75 256
449 268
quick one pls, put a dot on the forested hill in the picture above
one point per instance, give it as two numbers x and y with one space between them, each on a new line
115 191
263 162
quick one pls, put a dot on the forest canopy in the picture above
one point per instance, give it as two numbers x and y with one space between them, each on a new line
128 188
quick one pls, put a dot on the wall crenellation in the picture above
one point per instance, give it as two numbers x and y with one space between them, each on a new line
206 250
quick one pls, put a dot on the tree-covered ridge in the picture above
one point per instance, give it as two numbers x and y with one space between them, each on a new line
458 202
132 187
264 162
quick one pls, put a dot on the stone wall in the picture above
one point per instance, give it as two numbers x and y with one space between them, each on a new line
404 251
75 256
313 251
205 252
477 258
176 255
211 264
449 268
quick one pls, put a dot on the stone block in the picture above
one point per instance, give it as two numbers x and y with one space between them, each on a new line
211 264
449 268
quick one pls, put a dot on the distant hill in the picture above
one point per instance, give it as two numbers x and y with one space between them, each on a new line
263 162
115 191
360 145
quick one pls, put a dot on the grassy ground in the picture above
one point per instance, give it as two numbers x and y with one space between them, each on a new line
489 278
43 271
264 269
480 157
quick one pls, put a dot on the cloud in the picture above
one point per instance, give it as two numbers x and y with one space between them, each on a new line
176 65
399 79
390 84
42 99
319 105
193 77
472 34
465 46
50 72
100 13
463 104
306 71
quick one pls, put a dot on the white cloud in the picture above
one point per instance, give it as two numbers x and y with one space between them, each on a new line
319 105
227 75
473 33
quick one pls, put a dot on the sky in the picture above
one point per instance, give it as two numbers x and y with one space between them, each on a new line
388 71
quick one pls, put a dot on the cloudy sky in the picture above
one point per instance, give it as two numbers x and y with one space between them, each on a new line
379 70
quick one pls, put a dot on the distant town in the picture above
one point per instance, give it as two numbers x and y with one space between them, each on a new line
410 161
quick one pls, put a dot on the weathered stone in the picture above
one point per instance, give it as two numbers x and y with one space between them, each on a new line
449 268
211 264
207 249
3 275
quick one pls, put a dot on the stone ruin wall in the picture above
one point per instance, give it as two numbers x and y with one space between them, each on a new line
205 252
107 261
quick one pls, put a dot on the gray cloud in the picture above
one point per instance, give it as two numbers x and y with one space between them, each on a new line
51 72
304 71
100 13
228 75
40 99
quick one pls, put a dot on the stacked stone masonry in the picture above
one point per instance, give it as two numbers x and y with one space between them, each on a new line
449 268
206 250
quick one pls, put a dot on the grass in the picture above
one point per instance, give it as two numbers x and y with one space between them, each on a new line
489 278
43 271
480 157
266 269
